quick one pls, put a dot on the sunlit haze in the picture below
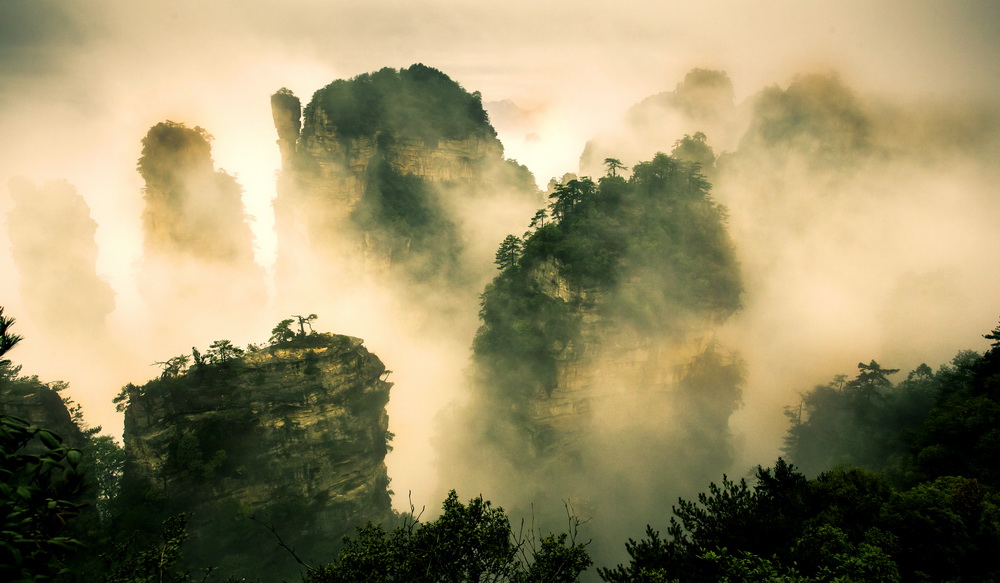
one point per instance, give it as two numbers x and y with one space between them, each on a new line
81 82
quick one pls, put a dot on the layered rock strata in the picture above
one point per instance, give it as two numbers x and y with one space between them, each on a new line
294 436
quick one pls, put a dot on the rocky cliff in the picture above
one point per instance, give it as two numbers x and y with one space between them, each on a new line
597 375
378 173
294 435
38 404
198 258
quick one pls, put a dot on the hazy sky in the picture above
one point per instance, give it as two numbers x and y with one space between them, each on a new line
81 81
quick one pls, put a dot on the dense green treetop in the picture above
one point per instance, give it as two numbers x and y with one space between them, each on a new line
847 525
470 542
929 425
417 102
655 244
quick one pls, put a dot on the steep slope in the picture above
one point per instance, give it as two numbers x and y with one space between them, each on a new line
38 404
384 174
198 262
597 375
294 435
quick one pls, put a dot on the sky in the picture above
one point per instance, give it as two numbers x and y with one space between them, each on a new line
81 81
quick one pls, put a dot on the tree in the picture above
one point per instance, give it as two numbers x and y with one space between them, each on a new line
567 196
125 397
40 484
305 321
872 381
7 339
155 563
508 253
103 463
468 543
173 366
282 332
694 149
614 165
222 351
538 221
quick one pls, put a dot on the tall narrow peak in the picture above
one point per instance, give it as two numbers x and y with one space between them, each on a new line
52 242
385 173
191 209
286 110
198 267
597 372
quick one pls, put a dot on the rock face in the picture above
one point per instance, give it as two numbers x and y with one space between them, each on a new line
191 209
376 177
294 435
597 375
40 405
198 262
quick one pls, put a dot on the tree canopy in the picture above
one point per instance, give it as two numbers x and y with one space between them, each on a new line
416 102
471 542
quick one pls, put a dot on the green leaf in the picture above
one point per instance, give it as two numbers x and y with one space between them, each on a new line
50 440
74 456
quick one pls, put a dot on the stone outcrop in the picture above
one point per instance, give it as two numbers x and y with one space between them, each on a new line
597 376
198 260
376 176
294 435
40 405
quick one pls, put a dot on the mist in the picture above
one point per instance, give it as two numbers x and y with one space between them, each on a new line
886 252
860 220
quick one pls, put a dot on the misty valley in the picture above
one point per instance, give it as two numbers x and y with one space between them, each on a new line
642 372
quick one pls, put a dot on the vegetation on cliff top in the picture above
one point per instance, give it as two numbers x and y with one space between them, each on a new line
930 513
654 247
191 208
469 542
929 425
417 102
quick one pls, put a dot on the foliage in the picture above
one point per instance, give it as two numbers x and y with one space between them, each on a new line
817 114
222 351
129 562
174 366
407 221
508 253
125 396
305 321
614 165
655 245
282 332
852 422
467 543
845 525
169 150
695 149
40 487
7 339
417 102
522 332
931 424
